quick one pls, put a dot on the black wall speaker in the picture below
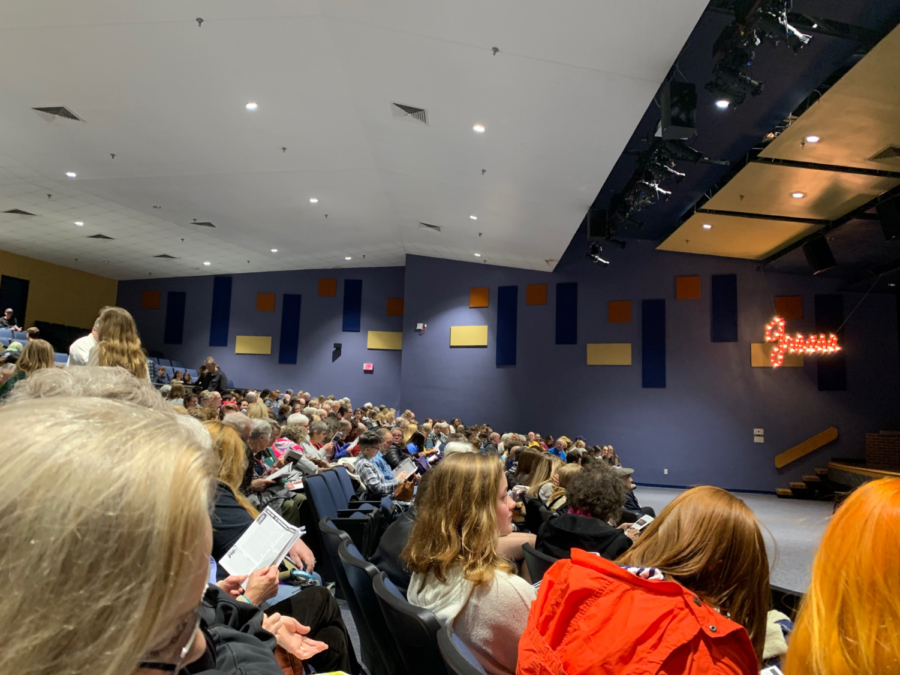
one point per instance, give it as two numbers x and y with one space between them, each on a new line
338 345
818 255
889 213
679 110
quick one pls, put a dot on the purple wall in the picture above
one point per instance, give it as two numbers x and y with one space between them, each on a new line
320 328
700 427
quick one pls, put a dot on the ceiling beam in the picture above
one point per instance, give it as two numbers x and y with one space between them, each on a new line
882 173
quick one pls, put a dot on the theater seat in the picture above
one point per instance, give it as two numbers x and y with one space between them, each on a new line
165 362
457 656
177 364
538 563
60 358
6 333
20 336
230 384
193 373
5 341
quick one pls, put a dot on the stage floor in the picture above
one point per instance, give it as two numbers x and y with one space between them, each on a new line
795 525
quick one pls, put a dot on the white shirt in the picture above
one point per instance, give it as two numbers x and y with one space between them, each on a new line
80 350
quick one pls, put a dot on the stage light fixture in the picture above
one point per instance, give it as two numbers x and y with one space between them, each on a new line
723 104
593 255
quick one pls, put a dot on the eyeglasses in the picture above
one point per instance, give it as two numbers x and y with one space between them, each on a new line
192 620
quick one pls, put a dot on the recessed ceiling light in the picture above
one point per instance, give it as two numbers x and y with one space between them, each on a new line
477 255
474 217
723 103
71 174
892 285
313 200
707 226
251 106
274 250
79 223
348 258
478 128
207 264
798 195
812 139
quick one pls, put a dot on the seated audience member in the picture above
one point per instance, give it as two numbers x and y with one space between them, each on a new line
257 410
291 437
632 510
527 459
118 344
492 446
594 497
558 497
212 378
92 543
12 353
164 390
188 380
210 399
458 572
80 350
541 483
696 583
372 478
559 448
9 321
416 445
32 333
7 370
191 400
176 394
610 457
316 446
159 377
37 355
457 446
232 514
177 376
389 457
849 618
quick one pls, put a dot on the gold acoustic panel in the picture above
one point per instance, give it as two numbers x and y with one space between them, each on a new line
382 339
253 344
855 119
609 354
766 189
734 236
761 356
468 336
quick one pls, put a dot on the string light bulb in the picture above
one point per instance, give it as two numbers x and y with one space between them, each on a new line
798 344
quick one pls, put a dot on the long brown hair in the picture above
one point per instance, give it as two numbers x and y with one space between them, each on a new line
527 458
456 520
36 355
542 472
232 457
118 343
177 391
710 542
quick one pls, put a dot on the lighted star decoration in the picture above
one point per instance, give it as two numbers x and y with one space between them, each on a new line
798 344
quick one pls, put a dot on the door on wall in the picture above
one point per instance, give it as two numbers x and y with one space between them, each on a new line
14 294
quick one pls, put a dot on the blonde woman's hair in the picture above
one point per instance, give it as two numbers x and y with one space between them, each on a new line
37 355
258 411
93 578
232 456
710 542
456 520
410 429
564 473
118 343
542 472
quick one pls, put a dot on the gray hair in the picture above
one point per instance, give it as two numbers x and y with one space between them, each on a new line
317 428
240 423
309 411
251 397
457 446
298 418
165 389
106 382
261 428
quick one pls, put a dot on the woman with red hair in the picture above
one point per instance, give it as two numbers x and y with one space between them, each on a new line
849 622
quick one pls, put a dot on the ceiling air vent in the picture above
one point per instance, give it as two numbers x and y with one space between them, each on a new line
409 113
889 153
166 256
99 236
59 111
205 223
19 212
436 228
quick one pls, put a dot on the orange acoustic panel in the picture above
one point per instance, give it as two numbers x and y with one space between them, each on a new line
395 306
479 297
265 302
150 299
327 288
536 294
620 311
687 288
789 307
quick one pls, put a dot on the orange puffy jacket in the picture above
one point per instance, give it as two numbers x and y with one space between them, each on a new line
592 616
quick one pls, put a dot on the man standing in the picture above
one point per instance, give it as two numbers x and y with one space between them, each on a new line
213 379
9 321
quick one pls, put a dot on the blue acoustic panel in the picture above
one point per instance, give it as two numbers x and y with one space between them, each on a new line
173 333
289 343
567 313
221 312
352 305
653 344
831 370
507 315
723 317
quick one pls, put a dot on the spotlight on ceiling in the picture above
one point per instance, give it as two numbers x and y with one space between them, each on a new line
798 195
593 255
723 103
313 200
274 250
251 106
207 264
473 217
812 139
71 174
477 255
78 223
349 257
478 128
707 226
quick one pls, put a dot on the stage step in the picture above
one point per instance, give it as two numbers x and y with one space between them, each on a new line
822 472
784 492
811 479
797 485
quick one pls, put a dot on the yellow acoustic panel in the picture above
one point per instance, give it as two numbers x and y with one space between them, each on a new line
806 447
383 339
468 336
734 236
253 344
609 354
766 189
854 120
761 356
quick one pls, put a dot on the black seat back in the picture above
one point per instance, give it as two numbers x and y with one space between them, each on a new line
538 563
415 629
457 656
533 520
346 482
369 619
334 487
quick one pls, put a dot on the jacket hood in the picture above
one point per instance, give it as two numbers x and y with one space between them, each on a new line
446 599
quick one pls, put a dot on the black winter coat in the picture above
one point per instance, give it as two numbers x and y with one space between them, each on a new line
394 455
559 535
